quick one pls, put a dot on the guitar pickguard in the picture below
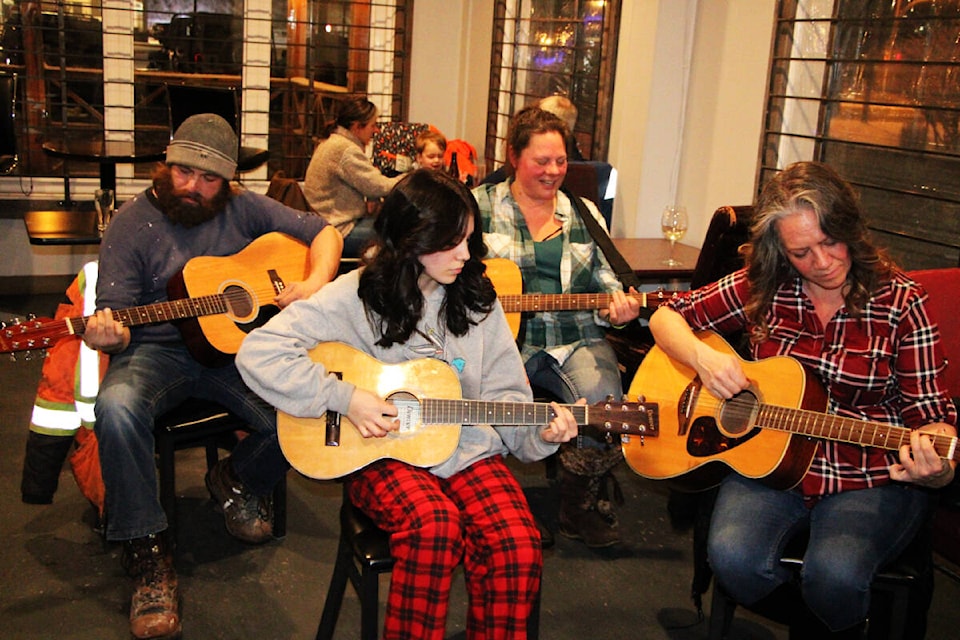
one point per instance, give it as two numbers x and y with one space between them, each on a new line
265 313
705 438
737 417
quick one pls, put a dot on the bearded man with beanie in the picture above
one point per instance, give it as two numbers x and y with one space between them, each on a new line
191 210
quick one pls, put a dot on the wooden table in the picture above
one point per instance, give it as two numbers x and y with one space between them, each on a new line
58 226
107 153
646 256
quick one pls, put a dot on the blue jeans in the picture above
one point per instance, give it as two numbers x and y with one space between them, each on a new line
590 372
358 238
145 381
852 534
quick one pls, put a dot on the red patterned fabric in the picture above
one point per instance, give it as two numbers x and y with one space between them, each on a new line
395 139
480 517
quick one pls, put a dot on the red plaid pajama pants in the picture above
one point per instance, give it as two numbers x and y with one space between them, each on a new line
480 517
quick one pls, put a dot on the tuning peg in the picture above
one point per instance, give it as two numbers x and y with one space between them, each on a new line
609 397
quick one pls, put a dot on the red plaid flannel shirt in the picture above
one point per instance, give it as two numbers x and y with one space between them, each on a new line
887 366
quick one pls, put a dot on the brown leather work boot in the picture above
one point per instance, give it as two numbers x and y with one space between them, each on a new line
248 517
154 607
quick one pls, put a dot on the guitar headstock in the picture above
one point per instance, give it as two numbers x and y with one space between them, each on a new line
625 418
660 297
30 335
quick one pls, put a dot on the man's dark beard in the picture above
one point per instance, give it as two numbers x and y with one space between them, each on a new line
192 211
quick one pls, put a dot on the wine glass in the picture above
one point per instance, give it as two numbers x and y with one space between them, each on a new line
673 223
104 201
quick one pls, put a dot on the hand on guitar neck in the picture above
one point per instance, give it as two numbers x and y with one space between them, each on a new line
106 334
505 275
921 463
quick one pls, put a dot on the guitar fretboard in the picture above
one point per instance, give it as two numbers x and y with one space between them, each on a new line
843 429
159 312
441 411
513 303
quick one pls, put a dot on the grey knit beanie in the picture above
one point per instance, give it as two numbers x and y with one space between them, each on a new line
205 142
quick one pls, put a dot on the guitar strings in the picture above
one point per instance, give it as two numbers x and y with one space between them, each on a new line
740 409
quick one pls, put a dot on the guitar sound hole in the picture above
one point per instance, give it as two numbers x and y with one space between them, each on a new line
239 302
408 411
739 414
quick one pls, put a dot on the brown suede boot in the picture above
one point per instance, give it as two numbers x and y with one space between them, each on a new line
586 510
154 607
580 517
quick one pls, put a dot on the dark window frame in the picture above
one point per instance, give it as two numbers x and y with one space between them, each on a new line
887 114
592 92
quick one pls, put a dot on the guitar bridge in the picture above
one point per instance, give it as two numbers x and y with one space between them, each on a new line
685 406
333 422
277 281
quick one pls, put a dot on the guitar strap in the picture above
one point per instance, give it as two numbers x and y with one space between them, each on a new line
624 272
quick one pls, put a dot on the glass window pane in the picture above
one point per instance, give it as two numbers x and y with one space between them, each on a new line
873 88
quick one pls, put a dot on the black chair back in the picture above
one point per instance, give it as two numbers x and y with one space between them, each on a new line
591 180
8 135
185 101
729 228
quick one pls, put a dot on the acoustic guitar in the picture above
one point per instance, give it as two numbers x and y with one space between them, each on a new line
215 301
507 281
769 431
431 413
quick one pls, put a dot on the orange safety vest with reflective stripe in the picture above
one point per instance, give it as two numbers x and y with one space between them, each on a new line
69 383
70 378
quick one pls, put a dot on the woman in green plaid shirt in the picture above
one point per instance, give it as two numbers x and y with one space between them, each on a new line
528 220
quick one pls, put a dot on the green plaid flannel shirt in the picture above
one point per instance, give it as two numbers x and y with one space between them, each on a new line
583 269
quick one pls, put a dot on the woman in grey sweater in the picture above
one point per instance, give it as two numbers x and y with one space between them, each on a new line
341 178
424 294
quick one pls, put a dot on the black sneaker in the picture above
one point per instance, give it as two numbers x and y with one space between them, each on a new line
248 517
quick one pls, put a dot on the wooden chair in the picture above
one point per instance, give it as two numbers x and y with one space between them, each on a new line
363 554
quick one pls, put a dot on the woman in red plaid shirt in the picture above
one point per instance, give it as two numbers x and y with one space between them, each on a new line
816 289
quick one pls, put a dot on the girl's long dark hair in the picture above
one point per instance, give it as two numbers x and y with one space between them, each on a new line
426 212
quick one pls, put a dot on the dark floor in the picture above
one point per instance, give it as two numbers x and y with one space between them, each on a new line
59 580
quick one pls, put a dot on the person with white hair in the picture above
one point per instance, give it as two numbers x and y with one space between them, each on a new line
563 108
